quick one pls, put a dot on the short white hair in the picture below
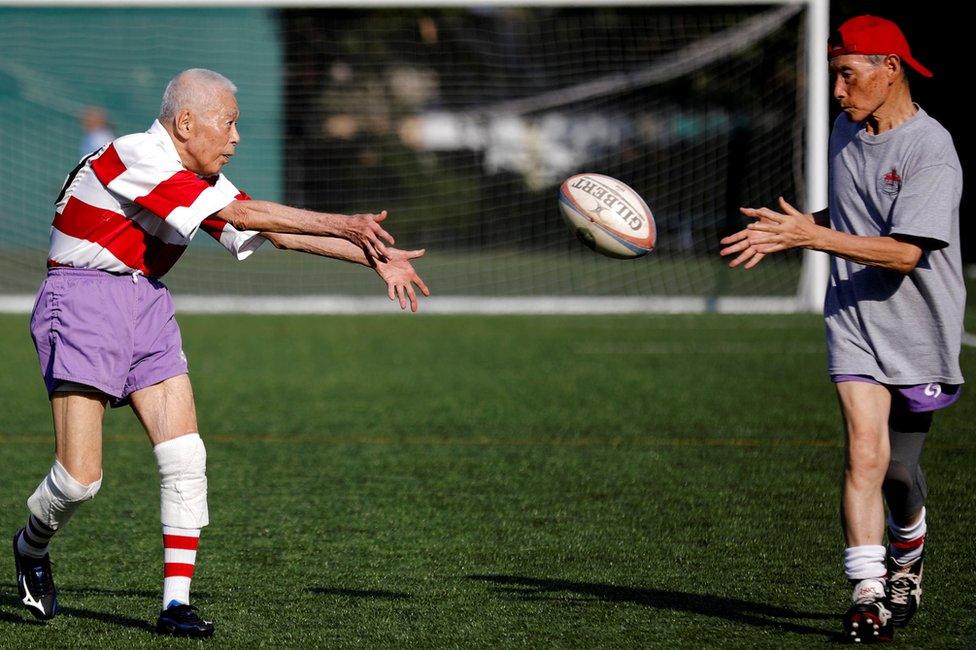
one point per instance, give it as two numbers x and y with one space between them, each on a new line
194 88
877 60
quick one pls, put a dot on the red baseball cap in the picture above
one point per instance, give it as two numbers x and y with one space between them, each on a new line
873 35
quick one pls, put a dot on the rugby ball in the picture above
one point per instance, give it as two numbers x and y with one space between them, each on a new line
607 215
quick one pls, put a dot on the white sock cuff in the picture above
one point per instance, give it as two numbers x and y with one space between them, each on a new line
906 533
863 562
71 488
58 496
181 532
177 444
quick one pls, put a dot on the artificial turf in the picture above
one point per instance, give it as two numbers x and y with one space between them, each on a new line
387 481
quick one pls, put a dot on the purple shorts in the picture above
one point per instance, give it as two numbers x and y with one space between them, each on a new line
917 399
116 333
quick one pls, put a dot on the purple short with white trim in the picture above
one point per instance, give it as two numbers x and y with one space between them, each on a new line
921 398
115 333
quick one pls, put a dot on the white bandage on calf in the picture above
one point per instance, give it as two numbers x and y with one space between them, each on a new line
183 481
58 496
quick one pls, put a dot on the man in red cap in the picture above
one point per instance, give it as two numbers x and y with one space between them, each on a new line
893 309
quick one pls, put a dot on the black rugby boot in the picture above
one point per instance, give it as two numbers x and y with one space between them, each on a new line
35 582
182 620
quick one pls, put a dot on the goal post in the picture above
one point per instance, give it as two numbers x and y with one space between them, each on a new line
815 269
461 122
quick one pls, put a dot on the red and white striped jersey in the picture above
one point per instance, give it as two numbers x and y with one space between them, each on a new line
133 207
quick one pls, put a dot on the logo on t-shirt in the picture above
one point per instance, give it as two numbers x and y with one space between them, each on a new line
891 183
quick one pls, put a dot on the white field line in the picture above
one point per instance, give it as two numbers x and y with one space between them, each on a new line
616 442
711 349
190 304
555 305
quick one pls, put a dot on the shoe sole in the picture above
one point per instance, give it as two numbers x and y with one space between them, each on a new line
171 630
864 627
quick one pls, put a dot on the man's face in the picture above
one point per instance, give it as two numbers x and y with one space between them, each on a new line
860 86
214 135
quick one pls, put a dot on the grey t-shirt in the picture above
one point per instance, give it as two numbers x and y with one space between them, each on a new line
896 328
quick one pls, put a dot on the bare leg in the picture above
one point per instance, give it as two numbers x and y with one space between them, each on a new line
865 410
166 410
78 433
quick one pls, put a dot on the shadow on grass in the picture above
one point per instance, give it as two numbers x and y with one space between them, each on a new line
732 609
119 593
360 593
113 619
10 600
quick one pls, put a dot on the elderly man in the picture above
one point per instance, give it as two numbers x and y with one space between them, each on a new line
893 309
104 326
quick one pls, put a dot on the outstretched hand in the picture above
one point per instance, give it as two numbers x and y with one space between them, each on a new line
365 231
770 233
400 276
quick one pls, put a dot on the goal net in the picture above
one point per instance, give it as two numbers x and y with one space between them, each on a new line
461 122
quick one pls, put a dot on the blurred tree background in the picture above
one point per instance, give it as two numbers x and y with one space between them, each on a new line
362 88
452 118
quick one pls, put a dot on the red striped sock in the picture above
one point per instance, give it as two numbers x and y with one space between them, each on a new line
905 543
179 559
905 552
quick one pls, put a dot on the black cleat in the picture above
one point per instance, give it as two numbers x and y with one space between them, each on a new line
904 590
869 619
182 620
35 582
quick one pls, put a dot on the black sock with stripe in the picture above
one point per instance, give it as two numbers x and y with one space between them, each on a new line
35 538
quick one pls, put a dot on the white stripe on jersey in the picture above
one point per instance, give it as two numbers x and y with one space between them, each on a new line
186 219
83 254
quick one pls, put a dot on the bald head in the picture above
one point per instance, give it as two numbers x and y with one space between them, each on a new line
196 89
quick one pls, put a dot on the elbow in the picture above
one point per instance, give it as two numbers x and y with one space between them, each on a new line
908 262
906 256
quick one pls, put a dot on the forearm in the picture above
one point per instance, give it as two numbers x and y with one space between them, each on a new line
881 252
270 217
334 247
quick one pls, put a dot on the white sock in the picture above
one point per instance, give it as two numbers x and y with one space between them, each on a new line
906 543
179 560
865 562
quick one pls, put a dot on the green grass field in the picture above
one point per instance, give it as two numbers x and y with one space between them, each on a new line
479 482
476 273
